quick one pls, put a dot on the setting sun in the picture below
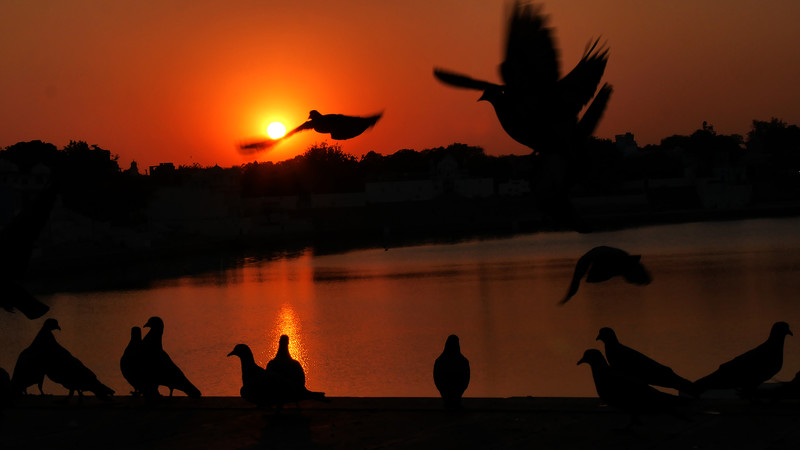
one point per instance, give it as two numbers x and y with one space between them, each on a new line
276 130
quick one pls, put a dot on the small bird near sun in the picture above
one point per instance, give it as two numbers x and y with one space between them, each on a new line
276 130
339 126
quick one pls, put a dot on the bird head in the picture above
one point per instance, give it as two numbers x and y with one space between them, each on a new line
314 114
606 335
780 329
593 357
452 344
155 323
51 324
240 350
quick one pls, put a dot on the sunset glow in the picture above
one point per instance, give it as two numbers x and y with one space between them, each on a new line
289 324
119 76
276 130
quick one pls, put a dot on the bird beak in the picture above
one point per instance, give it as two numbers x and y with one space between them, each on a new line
230 354
582 360
790 333
597 338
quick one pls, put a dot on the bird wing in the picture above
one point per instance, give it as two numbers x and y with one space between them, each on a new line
170 375
68 371
748 359
581 267
531 60
649 370
251 147
594 112
347 127
580 84
463 81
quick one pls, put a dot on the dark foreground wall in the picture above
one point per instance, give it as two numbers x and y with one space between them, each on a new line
391 423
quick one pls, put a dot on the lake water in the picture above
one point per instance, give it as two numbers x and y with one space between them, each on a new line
371 322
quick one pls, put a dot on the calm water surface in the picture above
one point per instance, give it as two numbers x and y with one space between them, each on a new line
371 322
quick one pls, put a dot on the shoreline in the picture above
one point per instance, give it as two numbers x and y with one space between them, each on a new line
393 423
134 268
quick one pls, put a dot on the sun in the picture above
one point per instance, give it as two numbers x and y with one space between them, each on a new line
276 130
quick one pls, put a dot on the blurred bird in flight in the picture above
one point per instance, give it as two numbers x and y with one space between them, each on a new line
339 126
539 108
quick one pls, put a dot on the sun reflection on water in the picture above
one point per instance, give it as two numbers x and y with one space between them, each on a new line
288 323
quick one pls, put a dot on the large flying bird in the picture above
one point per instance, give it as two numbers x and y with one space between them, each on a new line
539 108
535 105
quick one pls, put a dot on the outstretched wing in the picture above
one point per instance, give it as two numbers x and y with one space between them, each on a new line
257 146
594 112
580 84
531 59
463 81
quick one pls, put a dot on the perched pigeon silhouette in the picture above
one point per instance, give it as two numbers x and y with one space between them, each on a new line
32 362
284 365
603 263
451 373
748 370
70 372
158 368
264 388
539 109
131 362
339 126
17 241
627 393
637 365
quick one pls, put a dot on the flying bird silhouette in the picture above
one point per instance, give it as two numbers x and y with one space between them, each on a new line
535 105
130 363
17 241
158 368
264 388
748 370
451 373
285 366
65 369
627 393
539 109
603 263
637 365
31 364
339 126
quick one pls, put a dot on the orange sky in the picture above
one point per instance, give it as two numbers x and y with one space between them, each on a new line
184 81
